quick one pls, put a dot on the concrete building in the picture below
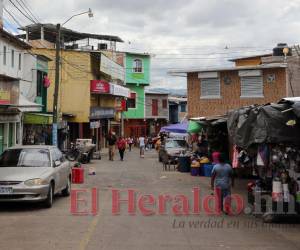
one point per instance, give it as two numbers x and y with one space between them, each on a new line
157 111
177 109
252 80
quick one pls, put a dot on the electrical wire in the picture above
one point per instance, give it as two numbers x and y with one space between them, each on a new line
28 8
30 19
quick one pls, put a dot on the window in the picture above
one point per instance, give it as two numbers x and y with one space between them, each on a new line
182 107
12 58
4 55
164 103
154 107
137 66
210 88
20 61
252 86
131 102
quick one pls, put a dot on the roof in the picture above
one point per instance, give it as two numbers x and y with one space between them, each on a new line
261 66
152 92
136 53
68 34
13 39
249 57
177 99
33 147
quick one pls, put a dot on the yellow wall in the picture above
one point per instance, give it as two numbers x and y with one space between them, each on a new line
74 92
248 62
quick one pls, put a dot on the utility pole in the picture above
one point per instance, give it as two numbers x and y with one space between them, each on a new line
56 88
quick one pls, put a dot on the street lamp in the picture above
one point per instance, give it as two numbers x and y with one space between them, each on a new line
57 68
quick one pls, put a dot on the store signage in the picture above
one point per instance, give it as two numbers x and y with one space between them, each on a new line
4 97
100 87
95 124
102 113
118 90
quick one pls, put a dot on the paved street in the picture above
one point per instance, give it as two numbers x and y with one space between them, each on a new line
32 227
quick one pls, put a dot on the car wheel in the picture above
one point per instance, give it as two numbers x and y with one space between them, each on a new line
49 201
67 191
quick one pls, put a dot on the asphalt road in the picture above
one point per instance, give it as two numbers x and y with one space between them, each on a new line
27 226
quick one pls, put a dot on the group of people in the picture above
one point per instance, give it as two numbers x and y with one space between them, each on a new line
121 144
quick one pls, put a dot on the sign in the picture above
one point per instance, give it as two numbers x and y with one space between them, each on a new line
118 90
120 105
100 87
4 97
102 113
111 68
95 124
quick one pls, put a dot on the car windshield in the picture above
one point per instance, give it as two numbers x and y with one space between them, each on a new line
175 144
25 158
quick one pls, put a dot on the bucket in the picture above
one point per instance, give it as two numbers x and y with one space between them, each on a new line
277 191
77 175
207 169
195 171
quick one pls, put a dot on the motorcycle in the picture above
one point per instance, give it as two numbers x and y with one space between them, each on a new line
82 151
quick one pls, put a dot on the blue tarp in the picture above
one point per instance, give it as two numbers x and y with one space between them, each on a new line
180 128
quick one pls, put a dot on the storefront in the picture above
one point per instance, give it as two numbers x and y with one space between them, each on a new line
37 129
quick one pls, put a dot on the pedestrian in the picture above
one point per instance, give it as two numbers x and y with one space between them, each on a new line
142 146
130 143
111 139
121 144
221 182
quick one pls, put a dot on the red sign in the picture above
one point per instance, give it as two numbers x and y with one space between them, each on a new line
100 87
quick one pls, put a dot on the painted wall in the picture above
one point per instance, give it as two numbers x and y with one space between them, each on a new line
139 111
74 91
163 113
137 78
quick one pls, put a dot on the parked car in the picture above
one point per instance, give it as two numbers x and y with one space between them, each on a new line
171 149
34 174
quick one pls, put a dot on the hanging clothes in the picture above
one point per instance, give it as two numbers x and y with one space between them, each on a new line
263 155
235 160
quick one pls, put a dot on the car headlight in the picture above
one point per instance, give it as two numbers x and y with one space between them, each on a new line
35 182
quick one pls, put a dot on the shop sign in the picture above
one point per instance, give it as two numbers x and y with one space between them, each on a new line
100 87
4 97
102 113
95 124
118 90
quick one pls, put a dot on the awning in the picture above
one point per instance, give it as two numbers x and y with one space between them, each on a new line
27 106
180 128
38 119
118 90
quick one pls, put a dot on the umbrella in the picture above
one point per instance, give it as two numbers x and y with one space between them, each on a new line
180 128
194 127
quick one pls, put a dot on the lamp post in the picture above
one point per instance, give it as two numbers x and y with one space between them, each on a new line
57 68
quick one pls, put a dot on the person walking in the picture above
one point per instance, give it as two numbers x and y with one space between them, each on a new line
130 143
111 139
142 146
221 182
121 144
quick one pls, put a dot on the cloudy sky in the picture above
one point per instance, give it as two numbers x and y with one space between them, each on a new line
178 33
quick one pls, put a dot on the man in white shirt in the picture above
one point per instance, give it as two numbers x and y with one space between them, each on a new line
142 146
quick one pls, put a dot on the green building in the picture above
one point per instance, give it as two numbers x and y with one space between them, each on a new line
137 78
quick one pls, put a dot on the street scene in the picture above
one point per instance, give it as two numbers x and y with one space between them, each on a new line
138 125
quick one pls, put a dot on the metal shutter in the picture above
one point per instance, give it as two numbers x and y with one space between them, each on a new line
210 87
252 86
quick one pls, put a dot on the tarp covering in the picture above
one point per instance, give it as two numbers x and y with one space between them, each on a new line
194 127
272 123
180 128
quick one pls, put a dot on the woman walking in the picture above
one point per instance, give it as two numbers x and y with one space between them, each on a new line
121 144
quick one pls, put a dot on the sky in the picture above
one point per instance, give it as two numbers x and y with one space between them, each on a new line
179 34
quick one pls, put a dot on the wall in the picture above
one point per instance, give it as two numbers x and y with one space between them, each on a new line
248 61
139 111
162 113
230 94
7 69
137 78
74 92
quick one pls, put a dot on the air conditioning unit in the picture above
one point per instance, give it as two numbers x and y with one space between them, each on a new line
102 46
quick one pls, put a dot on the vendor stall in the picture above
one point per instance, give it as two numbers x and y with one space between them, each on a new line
267 140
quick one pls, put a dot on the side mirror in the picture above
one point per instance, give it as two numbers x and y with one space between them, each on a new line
57 163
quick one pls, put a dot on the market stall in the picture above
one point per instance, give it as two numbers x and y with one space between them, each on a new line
267 140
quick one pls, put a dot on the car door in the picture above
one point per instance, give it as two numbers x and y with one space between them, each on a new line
64 168
56 170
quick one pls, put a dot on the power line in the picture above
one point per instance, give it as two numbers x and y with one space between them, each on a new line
28 8
30 19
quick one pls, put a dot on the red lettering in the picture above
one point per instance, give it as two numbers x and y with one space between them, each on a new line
146 200
182 205
196 201
116 202
217 201
162 200
95 204
239 204
75 200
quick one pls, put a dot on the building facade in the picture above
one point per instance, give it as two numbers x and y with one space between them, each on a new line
157 111
252 80
177 109
137 78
